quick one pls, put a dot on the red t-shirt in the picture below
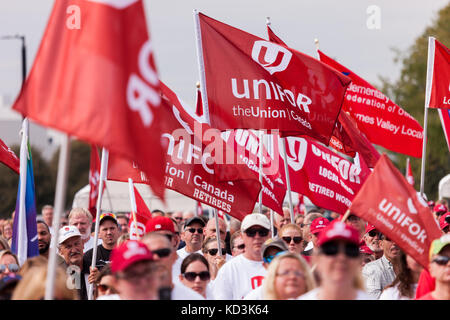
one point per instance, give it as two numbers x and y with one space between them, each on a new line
425 285
428 296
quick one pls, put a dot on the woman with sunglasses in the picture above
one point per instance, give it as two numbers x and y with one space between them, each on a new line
104 283
288 277
211 253
195 274
9 264
292 236
339 265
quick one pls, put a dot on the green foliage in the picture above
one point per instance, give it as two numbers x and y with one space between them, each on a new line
409 92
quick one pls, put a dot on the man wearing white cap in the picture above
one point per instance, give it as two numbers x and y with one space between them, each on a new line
245 272
70 247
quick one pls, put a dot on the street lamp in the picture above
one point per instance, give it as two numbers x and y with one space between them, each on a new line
24 53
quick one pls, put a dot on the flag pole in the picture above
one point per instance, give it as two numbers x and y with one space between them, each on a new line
103 174
429 80
133 206
288 181
60 199
261 144
21 248
271 224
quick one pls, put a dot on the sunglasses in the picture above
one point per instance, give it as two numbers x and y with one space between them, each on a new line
441 260
296 240
261 232
12 267
162 253
241 246
104 287
178 218
374 233
333 248
213 252
192 230
191 276
269 259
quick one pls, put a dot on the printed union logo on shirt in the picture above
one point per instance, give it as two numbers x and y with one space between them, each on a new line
270 56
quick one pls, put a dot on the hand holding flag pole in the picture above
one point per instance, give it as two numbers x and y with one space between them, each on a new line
133 205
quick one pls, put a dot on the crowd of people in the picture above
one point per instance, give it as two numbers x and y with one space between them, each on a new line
320 256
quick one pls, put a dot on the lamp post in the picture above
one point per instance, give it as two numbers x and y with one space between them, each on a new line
24 53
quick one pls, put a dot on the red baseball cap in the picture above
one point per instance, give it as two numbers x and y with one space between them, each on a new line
128 253
338 230
369 227
440 208
318 224
160 223
442 222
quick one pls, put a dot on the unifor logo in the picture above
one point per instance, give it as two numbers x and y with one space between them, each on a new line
296 149
270 56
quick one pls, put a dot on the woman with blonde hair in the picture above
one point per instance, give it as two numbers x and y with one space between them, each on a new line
32 285
338 262
288 277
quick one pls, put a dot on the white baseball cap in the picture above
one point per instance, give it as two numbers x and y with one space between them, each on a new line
255 219
68 232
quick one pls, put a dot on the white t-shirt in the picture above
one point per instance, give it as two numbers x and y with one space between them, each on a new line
309 246
392 293
238 277
313 295
181 292
110 297
182 253
255 294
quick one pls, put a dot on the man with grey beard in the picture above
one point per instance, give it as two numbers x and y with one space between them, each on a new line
82 219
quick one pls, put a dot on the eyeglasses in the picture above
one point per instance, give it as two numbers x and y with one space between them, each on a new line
12 267
296 240
286 273
178 218
213 252
252 232
192 230
441 260
191 276
241 246
333 248
162 253
353 218
268 259
373 233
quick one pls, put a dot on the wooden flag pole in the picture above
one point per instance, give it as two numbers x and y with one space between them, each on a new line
103 174
60 199
430 65
347 213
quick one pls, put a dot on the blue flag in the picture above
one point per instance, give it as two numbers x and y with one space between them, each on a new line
25 241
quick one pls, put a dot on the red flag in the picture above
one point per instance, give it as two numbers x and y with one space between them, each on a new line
409 175
328 180
246 145
346 136
94 180
300 208
142 214
391 204
191 165
252 83
380 119
199 104
99 82
440 78
199 209
9 158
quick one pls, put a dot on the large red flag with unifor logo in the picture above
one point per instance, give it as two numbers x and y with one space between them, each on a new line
327 179
379 118
252 83
391 204
9 158
246 145
346 138
99 82
194 154
94 180
142 214
440 76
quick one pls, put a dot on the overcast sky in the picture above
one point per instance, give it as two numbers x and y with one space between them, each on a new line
341 27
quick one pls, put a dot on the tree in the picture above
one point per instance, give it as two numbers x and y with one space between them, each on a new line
409 92
44 182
